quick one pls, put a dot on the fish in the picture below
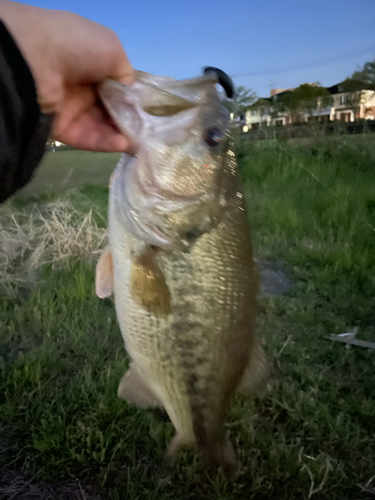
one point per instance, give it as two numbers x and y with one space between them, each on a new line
180 259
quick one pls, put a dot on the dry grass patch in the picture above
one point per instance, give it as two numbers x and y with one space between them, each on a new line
44 233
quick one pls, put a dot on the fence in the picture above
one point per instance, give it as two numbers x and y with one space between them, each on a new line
307 130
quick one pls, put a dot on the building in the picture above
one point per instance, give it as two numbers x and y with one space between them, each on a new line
259 114
346 101
351 100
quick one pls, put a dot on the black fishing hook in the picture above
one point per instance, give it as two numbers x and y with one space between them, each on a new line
224 80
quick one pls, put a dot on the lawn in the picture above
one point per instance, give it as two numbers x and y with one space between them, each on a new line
310 434
66 169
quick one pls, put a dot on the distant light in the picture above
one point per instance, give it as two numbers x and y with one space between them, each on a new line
57 143
245 128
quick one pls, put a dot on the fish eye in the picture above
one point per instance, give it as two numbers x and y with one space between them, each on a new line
213 137
193 234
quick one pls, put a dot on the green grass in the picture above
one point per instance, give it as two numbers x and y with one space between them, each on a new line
63 170
310 434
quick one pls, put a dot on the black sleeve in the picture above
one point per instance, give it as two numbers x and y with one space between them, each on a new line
24 129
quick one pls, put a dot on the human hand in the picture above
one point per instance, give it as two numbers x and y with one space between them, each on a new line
68 56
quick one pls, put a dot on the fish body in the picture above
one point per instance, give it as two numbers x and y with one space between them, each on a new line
180 260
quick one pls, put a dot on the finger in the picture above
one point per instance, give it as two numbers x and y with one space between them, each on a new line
97 139
92 131
76 101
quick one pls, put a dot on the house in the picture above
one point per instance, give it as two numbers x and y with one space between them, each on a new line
266 111
352 99
345 101
259 114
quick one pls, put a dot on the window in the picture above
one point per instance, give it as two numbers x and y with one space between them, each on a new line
342 99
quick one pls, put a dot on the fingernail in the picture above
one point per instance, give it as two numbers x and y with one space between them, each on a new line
128 79
121 143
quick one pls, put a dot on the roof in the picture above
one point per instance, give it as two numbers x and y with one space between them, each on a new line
349 85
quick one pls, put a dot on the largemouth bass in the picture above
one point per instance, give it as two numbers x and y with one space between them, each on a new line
180 259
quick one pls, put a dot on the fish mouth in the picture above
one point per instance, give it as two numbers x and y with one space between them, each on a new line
144 205
124 114
157 96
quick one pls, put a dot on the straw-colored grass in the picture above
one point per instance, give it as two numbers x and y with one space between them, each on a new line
41 234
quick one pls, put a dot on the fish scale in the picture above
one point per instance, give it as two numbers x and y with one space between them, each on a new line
183 273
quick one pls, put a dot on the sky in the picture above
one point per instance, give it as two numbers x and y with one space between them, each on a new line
262 44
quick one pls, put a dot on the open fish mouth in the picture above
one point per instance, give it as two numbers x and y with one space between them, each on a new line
142 201
178 93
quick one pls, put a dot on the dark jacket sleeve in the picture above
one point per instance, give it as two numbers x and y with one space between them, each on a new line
24 129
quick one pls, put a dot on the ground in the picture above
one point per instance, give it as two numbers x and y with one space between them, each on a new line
64 433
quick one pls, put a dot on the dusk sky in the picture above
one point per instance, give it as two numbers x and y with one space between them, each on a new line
263 44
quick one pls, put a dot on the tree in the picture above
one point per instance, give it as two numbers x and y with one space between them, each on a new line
244 99
282 103
304 99
366 74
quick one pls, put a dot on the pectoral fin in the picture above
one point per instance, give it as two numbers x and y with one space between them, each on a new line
104 275
148 285
134 390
